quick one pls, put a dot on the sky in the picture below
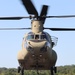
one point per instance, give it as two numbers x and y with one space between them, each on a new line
11 41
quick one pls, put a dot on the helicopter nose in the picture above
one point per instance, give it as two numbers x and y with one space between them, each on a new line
39 45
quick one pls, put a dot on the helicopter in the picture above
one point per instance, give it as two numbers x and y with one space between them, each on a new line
37 47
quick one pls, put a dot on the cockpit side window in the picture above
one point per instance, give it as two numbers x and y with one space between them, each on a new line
43 36
30 37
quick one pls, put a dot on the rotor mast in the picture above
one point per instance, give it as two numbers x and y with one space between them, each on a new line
37 26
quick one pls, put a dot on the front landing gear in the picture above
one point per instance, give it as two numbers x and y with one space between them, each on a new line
53 70
21 70
37 72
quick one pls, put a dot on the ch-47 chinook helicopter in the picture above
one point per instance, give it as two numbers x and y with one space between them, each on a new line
37 47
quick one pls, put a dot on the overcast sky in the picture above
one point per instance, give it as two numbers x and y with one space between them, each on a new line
11 41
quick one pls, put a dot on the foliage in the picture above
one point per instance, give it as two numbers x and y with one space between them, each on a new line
61 70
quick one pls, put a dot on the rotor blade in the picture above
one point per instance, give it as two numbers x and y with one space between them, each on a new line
61 29
30 7
12 18
15 18
63 16
44 13
14 28
41 17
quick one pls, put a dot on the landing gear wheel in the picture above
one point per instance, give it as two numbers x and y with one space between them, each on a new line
55 69
52 71
19 69
37 72
22 71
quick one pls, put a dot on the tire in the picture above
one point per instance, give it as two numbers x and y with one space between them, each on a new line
19 69
52 71
55 69
22 71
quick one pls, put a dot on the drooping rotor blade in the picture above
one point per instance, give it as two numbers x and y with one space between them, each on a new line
61 29
43 13
14 28
15 18
63 16
12 18
30 7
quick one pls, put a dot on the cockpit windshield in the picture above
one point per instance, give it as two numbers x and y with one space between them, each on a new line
37 36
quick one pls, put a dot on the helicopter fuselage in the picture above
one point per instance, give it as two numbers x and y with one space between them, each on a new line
37 52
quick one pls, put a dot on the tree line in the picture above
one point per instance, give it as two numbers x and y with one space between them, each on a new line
61 70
